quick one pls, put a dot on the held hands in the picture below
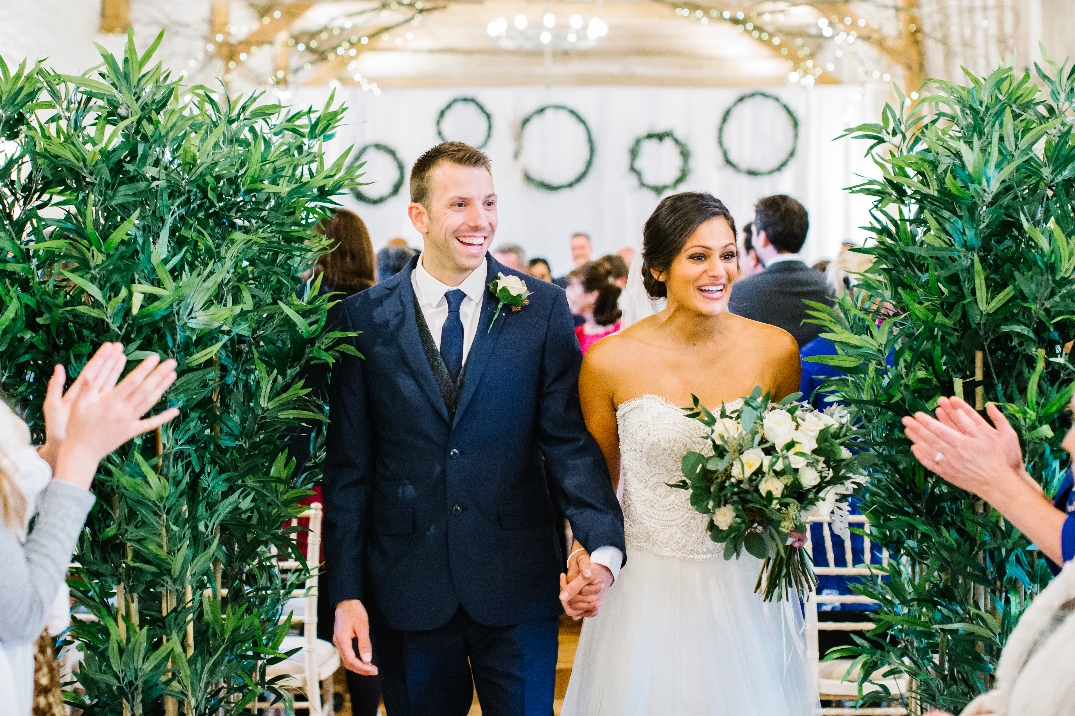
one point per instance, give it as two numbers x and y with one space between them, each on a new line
352 622
584 585
96 415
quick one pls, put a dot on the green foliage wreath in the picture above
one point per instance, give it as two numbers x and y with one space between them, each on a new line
401 174
540 183
481 108
684 155
794 142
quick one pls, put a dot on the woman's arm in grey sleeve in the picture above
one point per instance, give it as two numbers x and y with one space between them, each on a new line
30 574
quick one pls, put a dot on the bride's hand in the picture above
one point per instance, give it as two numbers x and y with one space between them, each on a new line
583 587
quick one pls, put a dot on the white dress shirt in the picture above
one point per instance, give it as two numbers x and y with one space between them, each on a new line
430 293
781 258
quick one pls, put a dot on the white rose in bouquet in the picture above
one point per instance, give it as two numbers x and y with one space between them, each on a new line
771 484
726 428
723 517
748 463
797 460
803 443
778 427
809 477
811 424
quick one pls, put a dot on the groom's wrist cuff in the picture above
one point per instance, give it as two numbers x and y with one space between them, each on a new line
609 557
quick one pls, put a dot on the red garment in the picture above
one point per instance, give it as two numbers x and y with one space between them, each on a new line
588 339
300 537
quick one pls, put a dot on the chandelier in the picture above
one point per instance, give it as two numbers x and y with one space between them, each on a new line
550 32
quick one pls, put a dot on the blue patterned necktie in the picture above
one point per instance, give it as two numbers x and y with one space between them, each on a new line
451 335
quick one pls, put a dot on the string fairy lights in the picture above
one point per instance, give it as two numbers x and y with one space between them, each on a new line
820 46
273 52
821 41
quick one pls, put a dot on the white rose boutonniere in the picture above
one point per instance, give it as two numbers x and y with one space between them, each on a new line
509 291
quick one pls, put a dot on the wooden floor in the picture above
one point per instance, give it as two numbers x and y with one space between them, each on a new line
569 641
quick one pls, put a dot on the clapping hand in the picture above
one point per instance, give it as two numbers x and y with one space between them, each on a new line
584 586
964 449
97 415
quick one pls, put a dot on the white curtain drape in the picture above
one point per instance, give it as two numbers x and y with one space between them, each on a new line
609 204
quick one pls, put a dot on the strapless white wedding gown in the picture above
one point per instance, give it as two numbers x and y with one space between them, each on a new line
682 631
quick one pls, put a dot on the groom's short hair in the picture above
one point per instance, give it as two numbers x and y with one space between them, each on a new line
454 152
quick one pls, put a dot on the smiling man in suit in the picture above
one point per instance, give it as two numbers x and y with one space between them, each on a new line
452 443
778 294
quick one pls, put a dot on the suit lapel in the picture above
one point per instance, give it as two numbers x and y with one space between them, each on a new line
399 313
484 342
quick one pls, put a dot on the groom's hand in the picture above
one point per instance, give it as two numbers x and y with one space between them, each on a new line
353 623
583 587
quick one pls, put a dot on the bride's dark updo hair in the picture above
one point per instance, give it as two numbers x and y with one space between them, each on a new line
668 228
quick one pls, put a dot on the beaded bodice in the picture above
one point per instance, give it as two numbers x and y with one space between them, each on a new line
654 437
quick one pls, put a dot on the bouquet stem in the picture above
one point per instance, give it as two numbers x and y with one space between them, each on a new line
791 567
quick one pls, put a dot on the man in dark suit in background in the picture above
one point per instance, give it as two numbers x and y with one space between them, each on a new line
778 294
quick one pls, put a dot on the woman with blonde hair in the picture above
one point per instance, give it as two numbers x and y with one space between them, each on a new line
92 419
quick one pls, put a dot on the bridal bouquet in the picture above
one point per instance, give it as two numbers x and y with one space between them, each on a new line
771 465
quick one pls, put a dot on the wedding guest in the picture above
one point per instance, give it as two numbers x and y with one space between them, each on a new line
821 266
748 258
581 254
842 272
82 426
348 269
627 253
960 446
540 269
592 293
350 266
581 249
391 260
618 268
779 294
397 241
511 255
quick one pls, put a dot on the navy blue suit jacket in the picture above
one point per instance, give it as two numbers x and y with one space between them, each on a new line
423 513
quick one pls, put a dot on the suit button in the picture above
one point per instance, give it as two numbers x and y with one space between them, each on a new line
457 510
453 453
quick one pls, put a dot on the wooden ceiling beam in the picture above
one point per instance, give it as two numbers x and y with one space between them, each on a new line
267 31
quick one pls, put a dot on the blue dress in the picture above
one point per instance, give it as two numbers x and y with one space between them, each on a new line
1065 500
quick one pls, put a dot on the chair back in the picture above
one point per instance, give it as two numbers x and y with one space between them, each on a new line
871 564
308 592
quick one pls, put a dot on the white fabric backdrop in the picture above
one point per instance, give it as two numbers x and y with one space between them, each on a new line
609 204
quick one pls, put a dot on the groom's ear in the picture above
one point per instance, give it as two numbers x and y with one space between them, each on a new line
419 217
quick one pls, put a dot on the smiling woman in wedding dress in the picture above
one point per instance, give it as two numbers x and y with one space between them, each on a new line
682 631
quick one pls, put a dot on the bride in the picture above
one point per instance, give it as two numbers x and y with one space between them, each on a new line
682 631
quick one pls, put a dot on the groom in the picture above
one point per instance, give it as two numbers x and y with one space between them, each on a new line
452 442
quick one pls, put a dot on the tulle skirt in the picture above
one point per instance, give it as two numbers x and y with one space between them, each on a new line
680 637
